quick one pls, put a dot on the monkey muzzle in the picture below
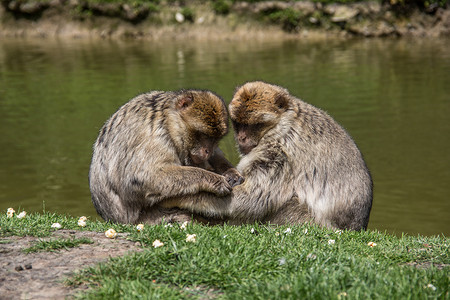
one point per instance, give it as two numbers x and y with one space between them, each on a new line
201 156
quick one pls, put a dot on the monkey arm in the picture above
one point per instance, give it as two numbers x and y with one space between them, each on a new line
174 181
261 195
206 204
266 188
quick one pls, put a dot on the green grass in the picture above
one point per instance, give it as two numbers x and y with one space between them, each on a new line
231 262
39 224
57 244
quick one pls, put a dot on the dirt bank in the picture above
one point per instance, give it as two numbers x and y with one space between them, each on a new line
201 20
41 275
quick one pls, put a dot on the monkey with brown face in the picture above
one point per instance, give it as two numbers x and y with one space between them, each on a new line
158 146
298 163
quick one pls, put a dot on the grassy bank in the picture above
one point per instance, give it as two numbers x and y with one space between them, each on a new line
225 19
250 262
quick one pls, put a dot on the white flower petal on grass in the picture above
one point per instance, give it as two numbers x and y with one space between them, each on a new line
157 243
306 231
184 225
168 225
191 238
82 221
288 231
140 227
430 286
331 242
338 231
10 212
56 225
22 215
110 233
282 261
371 244
342 294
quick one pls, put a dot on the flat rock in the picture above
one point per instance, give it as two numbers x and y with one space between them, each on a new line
344 13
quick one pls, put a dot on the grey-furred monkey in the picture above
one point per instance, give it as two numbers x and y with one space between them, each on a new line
298 163
158 146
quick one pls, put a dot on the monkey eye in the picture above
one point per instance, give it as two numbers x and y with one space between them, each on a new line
256 126
239 125
250 127
198 135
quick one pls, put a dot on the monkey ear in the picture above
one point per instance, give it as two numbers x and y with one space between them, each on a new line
184 101
282 102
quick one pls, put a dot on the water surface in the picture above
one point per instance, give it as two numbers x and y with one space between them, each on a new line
391 95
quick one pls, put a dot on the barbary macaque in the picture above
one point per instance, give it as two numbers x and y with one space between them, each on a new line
158 146
299 165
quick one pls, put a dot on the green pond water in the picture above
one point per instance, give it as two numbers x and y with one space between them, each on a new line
393 96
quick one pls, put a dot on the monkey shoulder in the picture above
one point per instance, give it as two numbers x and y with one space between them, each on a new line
315 127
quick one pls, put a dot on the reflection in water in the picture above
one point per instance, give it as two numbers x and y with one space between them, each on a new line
180 63
392 96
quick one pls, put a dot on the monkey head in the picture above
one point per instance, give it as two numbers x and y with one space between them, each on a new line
204 119
255 109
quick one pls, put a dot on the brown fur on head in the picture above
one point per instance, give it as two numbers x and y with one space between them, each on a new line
203 112
258 102
205 119
256 107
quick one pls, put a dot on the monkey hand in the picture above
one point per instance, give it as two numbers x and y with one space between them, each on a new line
233 177
221 187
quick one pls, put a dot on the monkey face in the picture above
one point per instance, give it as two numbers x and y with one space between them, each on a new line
247 136
202 148
255 109
205 119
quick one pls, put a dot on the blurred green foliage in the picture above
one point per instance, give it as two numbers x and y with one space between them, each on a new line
222 7
288 18
188 14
